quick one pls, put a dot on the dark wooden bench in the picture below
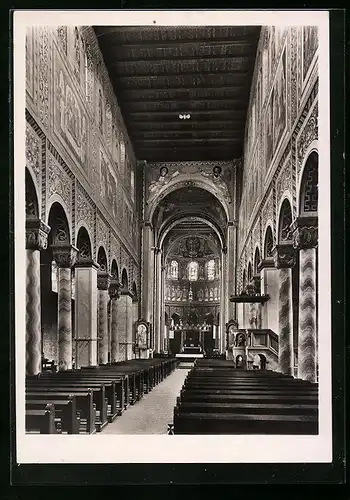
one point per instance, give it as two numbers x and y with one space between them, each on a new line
227 423
251 408
41 420
65 412
84 402
114 387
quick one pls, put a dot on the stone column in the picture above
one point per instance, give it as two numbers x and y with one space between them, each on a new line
158 301
65 257
284 256
113 291
305 232
86 312
231 269
147 279
102 286
36 240
269 286
124 308
223 310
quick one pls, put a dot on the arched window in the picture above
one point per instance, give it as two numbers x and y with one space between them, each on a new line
211 270
193 271
174 270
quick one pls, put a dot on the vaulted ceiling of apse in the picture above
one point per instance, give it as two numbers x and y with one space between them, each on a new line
159 73
187 211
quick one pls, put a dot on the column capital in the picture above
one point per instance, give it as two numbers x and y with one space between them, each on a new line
64 255
103 279
114 289
284 256
36 234
86 262
267 263
305 232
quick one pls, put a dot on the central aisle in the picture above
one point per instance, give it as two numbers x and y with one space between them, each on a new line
153 413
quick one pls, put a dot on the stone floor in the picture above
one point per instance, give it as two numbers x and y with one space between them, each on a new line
153 413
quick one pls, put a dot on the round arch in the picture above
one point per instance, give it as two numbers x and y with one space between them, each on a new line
84 244
257 259
54 200
268 242
58 221
182 182
83 225
31 196
114 270
284 221
308 187
125 281
102 259
173 224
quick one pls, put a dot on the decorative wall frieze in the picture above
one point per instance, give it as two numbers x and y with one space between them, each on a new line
43 75
58 181
85 210
33 153
36 234
308 133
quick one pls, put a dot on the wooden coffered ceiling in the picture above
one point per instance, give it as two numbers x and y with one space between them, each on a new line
160 72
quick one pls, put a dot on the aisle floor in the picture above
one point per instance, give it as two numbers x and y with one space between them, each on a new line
153 413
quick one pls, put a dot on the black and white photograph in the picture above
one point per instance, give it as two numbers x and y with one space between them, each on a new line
172 225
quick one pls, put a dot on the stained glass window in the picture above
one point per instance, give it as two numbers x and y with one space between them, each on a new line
193 271
174 270
211 270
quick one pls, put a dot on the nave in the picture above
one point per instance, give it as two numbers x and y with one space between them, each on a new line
171 219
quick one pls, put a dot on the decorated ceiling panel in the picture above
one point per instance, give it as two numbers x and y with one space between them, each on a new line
159 73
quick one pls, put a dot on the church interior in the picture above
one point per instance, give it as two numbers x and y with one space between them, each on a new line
171 185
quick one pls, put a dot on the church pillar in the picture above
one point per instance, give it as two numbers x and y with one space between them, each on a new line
223 309
36 240
102 286
124 311
284 256
231 271
306 240
65 257
269 286
158 301
86 312
113 291
148 277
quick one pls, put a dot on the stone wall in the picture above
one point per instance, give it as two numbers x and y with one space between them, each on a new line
282 124
77 147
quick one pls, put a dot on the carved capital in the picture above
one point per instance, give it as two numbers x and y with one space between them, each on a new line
103 280
266 264
64 255
36 234
284 256
114 289
305 233
86 262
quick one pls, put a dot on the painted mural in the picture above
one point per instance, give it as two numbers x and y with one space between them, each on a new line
70 120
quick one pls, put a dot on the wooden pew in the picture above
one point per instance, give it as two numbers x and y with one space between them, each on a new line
65 412
41 420
227 423
84 402
114 387
251 408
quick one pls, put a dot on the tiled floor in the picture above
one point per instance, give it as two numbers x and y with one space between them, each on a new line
153 413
